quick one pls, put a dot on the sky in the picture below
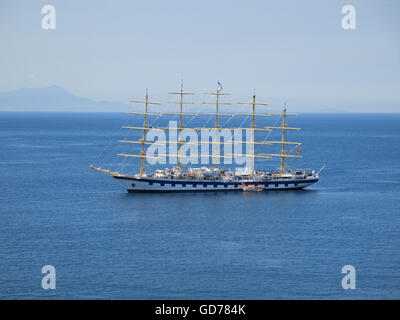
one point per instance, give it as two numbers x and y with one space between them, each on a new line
287 51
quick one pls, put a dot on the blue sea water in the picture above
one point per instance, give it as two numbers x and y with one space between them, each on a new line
108 244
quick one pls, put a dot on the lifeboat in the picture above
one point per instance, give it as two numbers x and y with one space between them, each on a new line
252 188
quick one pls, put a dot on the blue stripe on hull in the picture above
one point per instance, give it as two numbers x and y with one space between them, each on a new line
205 190
180 191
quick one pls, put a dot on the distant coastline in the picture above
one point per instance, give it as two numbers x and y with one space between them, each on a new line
57 99
54 99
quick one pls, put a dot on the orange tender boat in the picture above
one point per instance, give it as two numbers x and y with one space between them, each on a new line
252 188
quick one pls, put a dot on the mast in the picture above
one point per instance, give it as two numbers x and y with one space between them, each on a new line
284 154
144 132
181 103
146 103
283 141
217 93
216 129
253 103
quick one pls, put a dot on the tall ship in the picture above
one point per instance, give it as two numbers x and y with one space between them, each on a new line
201 178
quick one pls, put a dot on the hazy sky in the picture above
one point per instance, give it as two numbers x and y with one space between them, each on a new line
293 51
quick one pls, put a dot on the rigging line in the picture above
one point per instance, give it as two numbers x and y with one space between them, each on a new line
245 119
155 121
268 133
209 118
193 116
190 120
186 123
232 116
294 147
125 161
122 166
109 143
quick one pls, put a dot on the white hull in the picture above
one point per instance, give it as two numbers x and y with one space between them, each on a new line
169 185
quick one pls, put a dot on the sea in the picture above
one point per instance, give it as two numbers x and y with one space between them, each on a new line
107 244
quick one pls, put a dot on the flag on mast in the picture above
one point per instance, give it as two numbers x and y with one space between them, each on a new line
219 86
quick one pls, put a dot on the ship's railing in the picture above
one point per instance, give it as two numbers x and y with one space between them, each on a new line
271 178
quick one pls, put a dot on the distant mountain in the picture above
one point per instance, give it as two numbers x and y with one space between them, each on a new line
53 98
